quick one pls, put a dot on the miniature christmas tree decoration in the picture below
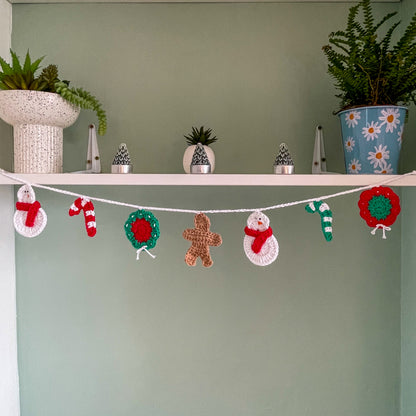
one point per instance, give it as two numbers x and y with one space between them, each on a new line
200 162
122 161
284 163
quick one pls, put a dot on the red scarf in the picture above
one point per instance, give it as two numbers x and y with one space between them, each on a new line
32 211
260 237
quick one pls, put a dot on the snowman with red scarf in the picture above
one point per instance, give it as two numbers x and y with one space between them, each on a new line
260 245
29 219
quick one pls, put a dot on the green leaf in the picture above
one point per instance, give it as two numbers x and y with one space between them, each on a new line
6 68
17 68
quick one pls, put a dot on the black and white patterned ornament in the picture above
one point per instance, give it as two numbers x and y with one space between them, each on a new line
122 161
200 162
284 162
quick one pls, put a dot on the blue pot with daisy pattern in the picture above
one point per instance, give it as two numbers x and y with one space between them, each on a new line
372 138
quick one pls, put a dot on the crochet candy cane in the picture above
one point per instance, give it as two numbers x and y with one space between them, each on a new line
84 204
326 217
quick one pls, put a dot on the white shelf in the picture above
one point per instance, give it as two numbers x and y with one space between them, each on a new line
189 1
210 180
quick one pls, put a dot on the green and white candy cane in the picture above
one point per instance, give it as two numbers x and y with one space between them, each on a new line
325 214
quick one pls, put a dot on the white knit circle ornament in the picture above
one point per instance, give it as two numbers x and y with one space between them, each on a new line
260 245
28 206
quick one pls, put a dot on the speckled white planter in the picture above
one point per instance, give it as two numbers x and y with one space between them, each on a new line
38 119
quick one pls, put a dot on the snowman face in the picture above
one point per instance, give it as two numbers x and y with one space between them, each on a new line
258 221
25 194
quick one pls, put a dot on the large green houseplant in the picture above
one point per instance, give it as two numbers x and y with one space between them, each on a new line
39 107
374 79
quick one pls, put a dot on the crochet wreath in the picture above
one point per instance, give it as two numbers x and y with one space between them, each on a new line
379 205
142 229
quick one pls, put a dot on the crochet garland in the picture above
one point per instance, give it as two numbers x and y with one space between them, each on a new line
379 207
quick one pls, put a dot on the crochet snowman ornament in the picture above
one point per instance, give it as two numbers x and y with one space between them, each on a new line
260 245
29 219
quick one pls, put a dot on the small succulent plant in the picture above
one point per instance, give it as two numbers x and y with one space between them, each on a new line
200 136
48 78
16 76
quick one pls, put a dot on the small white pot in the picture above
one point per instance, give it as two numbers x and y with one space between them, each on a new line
189 152
38 119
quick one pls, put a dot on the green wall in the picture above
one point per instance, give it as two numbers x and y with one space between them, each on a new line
255 73
408 304
408 266
316 333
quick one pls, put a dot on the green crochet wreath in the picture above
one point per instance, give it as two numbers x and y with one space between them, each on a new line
142 229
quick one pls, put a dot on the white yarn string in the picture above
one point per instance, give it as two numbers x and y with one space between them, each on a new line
211 211
383 227
144 248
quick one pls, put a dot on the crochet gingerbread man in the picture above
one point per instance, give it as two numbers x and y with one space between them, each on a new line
201 238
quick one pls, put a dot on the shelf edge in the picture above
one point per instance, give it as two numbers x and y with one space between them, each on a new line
210 180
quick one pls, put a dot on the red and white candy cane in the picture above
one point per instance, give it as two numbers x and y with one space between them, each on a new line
84 204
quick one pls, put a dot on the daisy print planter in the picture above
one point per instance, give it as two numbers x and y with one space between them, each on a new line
372 138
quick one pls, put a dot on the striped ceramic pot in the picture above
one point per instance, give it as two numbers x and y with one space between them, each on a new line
372 138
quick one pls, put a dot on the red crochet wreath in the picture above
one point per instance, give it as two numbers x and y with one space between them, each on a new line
379 205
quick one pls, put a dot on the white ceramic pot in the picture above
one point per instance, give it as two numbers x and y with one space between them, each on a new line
38 119
189 152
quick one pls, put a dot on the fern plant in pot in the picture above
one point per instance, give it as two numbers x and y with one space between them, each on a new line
39 108
376 82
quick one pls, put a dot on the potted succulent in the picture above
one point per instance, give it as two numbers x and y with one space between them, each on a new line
376 82
199 136
39 107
